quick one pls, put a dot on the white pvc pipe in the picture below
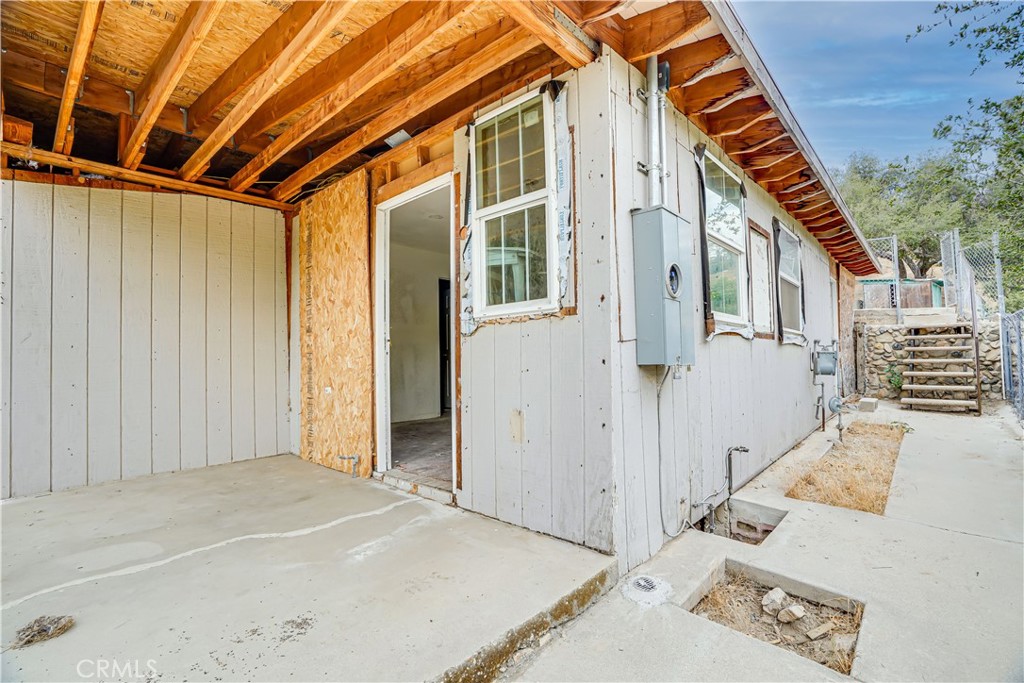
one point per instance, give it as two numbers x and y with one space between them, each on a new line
653 136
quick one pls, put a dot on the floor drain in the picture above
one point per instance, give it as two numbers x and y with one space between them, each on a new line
647 590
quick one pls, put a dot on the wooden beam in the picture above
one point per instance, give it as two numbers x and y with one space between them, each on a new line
45 157
757 147
306 39
16 131
801 197
505 49
826 225
737 117
88 23
788 171
715 90
772 161
688 62
418 176
538 17
654 32
256 60
809 179
165 73
595 10
374 67
814 211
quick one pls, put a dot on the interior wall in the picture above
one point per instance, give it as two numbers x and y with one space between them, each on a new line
336 325
415 333
142 332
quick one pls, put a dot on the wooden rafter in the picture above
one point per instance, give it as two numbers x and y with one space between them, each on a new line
88 23
769 161
505 49
375 66
688 62
797 166
539 17
595 10
165 73
654 32
714 91
807 179
257 59
306 39
737 117
814 211
800 197
826 225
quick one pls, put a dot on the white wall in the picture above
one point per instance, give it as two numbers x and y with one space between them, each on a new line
142 332
415 345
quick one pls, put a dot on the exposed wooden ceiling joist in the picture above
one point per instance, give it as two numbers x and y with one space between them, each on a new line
737 117
743 147
256 60
507 48
688 62
595 10
374 66
540 18
714 90
796 166
800 197
88 22
282 66
826 225
807 178
165 73
768 161
815 211
654 32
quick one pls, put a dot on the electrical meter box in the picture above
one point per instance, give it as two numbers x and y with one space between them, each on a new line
663 273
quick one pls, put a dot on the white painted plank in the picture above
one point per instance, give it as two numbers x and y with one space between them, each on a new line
264 335
465 404
104 389
631 433
30 353
483 424
281 335
192 315
137 329
6 281
166 330
650 405
567 461
508 433
243 428
218 332
294 352
537 392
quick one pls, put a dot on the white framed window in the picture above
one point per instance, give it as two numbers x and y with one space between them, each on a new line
515 243
790 281
725 220
762 303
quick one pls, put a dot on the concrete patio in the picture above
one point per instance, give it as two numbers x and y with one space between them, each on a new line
274 569
940 574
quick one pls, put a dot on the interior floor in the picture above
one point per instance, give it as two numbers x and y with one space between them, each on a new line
422 451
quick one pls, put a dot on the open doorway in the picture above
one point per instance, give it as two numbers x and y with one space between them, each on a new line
414 335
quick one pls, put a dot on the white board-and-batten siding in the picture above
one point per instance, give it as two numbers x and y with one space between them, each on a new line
140 332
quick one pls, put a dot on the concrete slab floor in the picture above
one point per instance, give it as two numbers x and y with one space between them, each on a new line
273 569
941 574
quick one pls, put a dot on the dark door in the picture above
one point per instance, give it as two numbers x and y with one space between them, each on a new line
444 317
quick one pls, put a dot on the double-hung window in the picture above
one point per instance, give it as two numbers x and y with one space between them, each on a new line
790 282
725 222
515 242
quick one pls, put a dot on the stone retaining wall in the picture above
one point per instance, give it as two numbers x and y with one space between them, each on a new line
878 348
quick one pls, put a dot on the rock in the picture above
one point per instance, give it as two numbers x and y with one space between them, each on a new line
792 613
544 639
819 631
520 655
773 601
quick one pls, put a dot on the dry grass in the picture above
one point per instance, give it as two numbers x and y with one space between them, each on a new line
857 473
736 603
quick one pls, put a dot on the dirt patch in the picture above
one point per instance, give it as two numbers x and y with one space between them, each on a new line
857 472
823 634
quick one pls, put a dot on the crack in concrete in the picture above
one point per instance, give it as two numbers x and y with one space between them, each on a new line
953 531
135 569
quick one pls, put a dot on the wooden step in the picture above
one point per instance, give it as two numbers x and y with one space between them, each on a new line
939 326
939 349
941 336
937 402
936 373
939 361
938 387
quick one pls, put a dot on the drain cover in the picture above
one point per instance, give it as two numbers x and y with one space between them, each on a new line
647 590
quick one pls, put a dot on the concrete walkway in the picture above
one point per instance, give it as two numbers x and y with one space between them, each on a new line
940 574
274 569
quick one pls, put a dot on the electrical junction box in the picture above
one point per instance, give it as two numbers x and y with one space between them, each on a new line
663 274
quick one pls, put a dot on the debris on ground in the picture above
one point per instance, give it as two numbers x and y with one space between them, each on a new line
40 629
857 472
742 604
773 601
791 614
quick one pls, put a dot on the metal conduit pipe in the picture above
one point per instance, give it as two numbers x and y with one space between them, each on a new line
653 134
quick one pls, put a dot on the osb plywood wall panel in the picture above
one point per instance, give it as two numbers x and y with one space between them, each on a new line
336 327
847 355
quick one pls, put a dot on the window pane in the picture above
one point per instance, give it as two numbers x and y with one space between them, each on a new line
724 203
537 257
495 273
725 275
790 296
760 283
509 176
789 255
486 163
533 146
514 260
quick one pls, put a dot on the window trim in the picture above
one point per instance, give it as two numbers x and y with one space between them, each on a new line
798 282
738 248
546 196
754 227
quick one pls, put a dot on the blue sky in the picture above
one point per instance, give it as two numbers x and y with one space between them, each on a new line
855 82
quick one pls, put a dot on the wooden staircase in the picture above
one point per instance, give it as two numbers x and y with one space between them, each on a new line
942 368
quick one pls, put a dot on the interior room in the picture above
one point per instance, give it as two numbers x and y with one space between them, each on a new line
420 333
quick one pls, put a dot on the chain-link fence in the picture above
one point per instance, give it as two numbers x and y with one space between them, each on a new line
1013 360
982 259
887 249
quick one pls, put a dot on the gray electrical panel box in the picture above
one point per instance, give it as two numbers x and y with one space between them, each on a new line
663 273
